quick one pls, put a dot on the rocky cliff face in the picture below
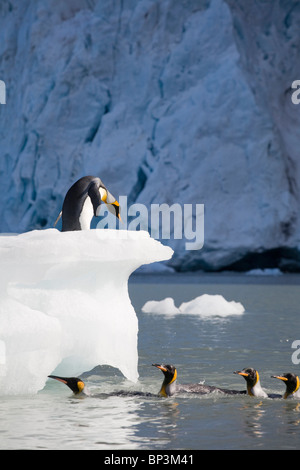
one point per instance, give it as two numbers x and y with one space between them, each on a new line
183 102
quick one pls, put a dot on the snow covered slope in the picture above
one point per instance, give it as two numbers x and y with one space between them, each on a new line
168 102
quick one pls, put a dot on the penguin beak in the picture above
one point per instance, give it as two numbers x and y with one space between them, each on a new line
75 384
279 377
160 367
117 209
114 208
60 379
244 374
112 204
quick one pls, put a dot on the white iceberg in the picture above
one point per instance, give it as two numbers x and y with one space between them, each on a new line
65 306
204 305
211 305
166 306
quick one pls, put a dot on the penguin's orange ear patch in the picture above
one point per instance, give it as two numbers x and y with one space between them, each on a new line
103 194
80 385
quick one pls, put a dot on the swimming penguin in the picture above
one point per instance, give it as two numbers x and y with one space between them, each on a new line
292 384
78 387
170 387
74 383
254 388
83 201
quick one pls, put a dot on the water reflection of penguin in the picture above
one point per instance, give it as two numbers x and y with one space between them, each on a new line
170 387
83 201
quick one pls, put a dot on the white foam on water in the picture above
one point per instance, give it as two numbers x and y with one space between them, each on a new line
64 303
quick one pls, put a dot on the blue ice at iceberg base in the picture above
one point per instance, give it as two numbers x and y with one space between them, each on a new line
64 304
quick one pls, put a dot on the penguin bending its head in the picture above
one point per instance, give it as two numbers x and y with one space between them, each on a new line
83 201
74 383
292 384
170 387
251 376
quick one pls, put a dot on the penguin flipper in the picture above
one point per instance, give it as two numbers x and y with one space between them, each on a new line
94 194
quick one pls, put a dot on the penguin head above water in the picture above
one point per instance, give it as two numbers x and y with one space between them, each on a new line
250 374
291 381
252 379
170 376
74 383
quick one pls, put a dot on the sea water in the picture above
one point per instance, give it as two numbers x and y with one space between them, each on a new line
203 349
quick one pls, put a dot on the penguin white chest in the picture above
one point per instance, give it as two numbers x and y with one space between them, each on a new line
86 214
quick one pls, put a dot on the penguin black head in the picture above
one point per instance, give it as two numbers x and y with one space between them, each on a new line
169 372
251 376
170 376
291 381
74 383
112 204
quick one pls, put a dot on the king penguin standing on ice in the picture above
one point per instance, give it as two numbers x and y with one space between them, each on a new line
83 201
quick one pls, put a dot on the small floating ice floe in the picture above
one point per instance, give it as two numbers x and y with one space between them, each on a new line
205 306
165 307
264 272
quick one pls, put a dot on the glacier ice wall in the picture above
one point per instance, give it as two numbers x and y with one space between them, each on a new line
168 102
64 303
